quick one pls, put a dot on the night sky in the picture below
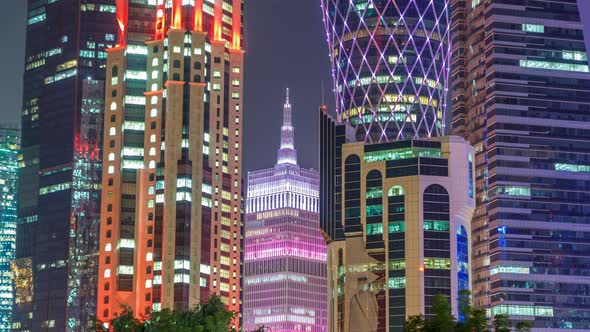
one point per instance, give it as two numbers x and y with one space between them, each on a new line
286 47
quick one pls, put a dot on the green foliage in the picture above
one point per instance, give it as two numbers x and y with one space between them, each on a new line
475 318
209 317
501 323
524 326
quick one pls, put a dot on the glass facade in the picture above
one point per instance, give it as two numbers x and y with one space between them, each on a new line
60 163
9 148
285 254
390 64
521 97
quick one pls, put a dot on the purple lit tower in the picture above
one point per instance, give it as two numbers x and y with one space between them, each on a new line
390 63
285 286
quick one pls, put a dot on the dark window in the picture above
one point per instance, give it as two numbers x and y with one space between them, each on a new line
115 71
176 64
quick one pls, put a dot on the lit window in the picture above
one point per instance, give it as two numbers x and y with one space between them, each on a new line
236 70
148 283
107 273
113 106
155 87
152 164
107 247
149 256
111 169
533 28
154 112
152 138
154 100
154 61
152 151
111 156
154 74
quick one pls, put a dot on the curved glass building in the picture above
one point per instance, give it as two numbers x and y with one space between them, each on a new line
390 66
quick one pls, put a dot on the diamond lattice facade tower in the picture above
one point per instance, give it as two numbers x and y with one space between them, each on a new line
285 254
521 96
60 165
390 64
171 201
9 150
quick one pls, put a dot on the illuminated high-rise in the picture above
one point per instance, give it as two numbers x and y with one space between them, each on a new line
60 165
285 255
521 96
396 196
172 193
390 64
9 148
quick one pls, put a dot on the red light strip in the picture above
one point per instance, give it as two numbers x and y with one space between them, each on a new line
176 14
237 25
122 18
198 16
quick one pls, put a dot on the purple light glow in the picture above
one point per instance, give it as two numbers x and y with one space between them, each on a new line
285 286
390 58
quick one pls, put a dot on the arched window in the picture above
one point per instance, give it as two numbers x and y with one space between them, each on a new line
374 206
396 247
352 194
462 262
437 244
113 106
176 64
115 71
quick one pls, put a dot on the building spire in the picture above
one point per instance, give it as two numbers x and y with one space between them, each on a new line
287 153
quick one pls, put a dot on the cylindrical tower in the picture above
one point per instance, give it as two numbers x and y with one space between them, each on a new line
390 63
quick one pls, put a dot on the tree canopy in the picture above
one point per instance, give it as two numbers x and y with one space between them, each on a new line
474 319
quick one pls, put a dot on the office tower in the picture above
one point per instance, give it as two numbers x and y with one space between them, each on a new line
390 64
285 255
9 147
396 196
521 93
59 166
171 200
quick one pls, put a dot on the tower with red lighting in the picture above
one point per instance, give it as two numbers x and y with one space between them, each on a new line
171 201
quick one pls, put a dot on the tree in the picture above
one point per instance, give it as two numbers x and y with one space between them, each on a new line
415 324
443 320
501 323
525 326
209 317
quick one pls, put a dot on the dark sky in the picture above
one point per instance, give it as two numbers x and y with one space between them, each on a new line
286 47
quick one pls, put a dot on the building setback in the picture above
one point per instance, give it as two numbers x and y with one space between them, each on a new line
285 254
521 96
171 201
60 163
396 197
9 148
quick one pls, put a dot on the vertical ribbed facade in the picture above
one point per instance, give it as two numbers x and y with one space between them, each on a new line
390 64
521 96
9 148
171 212
60 163
285 254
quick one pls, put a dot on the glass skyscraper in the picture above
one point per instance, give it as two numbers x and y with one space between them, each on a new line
521 96
285 254
396 196
9 148
390 66
60 163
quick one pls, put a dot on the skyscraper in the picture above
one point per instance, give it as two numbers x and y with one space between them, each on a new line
285 254
390 66
9 147
521 94
59 165
396 197
172 193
